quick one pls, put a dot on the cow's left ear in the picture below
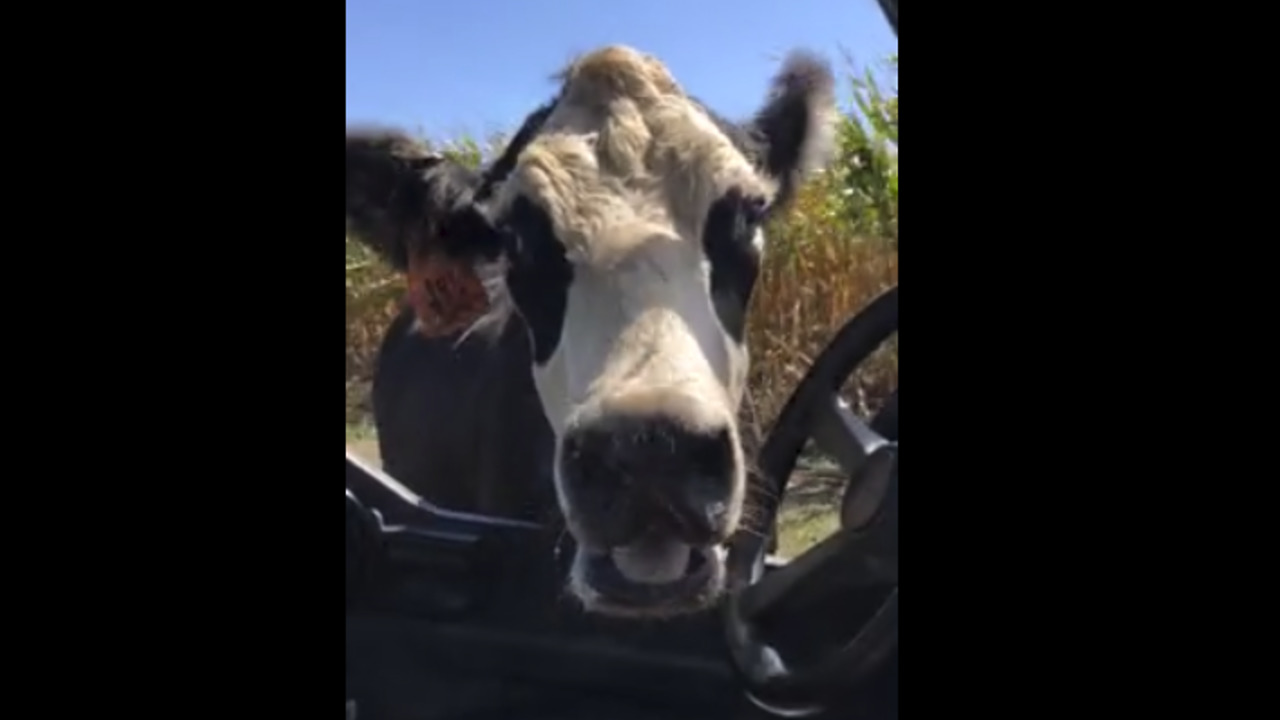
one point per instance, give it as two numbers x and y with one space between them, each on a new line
796 126
396 190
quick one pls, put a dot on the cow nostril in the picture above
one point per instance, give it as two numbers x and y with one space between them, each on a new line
710 455
624 474
683 512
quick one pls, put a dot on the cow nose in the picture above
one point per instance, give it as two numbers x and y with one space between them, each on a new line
628 476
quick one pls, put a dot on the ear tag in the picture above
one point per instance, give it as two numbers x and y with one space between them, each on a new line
446 294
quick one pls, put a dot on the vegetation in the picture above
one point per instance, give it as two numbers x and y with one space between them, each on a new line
828 257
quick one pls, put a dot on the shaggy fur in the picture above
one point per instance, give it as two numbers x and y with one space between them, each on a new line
791 137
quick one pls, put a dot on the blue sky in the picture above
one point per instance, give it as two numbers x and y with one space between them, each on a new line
447 67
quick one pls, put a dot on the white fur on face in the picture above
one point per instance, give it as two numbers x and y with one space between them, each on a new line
627 167
647 323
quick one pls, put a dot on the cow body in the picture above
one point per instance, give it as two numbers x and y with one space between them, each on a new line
460 423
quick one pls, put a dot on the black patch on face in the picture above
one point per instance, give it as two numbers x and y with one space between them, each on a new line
539 275
506 162
735 264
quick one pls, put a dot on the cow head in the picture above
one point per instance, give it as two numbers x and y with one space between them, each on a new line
622 227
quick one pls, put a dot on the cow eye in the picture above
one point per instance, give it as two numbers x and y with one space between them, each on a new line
754 210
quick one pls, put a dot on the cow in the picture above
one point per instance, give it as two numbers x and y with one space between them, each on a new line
619 237
442 404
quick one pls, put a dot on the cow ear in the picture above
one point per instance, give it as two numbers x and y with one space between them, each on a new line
796 126
397 190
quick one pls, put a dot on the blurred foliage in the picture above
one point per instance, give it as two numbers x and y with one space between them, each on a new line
867 174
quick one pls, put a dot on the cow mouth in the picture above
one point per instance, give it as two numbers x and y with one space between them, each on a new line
650 577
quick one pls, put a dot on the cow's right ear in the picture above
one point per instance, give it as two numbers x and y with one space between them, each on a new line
398 192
